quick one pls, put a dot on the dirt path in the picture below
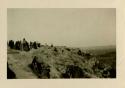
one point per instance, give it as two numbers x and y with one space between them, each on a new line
20 67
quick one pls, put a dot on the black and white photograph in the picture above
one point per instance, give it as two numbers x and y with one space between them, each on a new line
61 43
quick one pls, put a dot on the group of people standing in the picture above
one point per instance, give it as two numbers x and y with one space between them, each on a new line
23 45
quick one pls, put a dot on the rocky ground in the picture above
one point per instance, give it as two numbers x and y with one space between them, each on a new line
62 62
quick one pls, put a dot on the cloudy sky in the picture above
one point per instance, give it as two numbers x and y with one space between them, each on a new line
70 27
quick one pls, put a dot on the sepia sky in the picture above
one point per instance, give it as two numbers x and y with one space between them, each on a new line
70 27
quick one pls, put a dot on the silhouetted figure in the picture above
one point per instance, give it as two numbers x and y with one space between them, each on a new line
55 49
51 45
34 45
31 45
17 45
23 45
40 68
39 45
62 51
11 44
79 53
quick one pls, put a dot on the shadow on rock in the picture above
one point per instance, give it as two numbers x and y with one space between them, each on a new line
10 73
